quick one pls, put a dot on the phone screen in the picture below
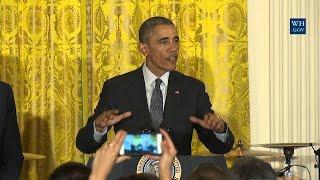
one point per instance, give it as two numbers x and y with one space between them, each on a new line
139 144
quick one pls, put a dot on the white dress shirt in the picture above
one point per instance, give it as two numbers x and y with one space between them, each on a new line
150 83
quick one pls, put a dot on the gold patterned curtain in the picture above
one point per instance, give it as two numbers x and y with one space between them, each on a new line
57 53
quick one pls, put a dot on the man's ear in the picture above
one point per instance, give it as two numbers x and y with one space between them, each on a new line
143 49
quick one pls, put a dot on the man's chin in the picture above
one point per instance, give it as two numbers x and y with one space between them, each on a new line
172 68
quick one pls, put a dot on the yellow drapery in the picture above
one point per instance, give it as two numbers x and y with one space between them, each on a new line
57 54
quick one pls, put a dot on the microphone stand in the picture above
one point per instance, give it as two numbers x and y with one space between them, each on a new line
317 153
288 153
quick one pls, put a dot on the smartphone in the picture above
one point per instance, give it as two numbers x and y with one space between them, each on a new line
140 144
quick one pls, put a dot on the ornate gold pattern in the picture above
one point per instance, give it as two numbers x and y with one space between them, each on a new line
57 54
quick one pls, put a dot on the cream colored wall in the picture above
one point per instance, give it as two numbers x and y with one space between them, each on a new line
284 76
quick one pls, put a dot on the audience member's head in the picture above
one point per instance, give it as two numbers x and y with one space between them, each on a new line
207 171
251 168
141 176
71 171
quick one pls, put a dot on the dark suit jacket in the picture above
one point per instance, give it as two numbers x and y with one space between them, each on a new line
11 158
186 97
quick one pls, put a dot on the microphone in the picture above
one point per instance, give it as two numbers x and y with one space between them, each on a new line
310 144
314 150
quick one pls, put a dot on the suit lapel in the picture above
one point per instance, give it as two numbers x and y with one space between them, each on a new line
138 98
173 98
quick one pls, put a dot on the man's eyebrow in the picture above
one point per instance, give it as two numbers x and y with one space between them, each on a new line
166 38
161 39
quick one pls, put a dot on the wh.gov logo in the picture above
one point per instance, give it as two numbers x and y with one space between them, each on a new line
298 26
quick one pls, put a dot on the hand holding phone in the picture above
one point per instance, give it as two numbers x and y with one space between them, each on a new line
106 156
140 144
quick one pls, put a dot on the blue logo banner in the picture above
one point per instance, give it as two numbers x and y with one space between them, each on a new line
298 25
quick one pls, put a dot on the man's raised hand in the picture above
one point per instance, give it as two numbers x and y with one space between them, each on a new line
109 118
210 121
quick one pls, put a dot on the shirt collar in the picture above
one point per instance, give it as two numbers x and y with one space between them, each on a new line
149 77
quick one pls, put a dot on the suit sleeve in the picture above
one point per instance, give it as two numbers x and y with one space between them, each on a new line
206 136
11 156
85 141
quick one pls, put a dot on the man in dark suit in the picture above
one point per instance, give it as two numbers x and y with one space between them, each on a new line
11 158
156 96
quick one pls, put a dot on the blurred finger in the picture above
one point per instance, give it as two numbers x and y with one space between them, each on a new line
206 116
196 120
220 126
101 118
104 114
122 158
118 140
167 137
105 145
116 118
164 145
209 115
122 116
167 144
213 123
111 145
113 111
153 157
103 122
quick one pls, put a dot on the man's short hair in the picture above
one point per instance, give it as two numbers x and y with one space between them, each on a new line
141 176
146 29
251 168
207 171
71 171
